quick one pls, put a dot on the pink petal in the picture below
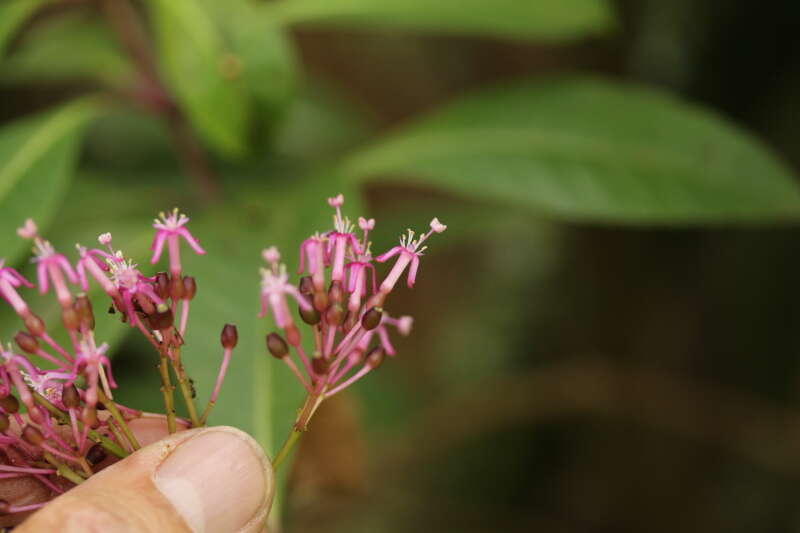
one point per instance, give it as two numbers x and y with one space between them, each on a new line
158 246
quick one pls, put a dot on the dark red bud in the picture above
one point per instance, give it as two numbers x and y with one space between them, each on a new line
70 319
35 325
4 423
32 435
320 365
83 306
277 346
310 317
320 301
26 342
9 404
161 285
334 314
176 288
70 397
189 287
95 454
229 336
336 292
372 318
161 320
144 304
306 285
375 357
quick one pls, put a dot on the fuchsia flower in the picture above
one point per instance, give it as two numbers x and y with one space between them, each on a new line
410 251
275 287
10 279
170 228
53 266
340 239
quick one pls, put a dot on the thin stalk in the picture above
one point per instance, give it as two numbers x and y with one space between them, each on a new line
291 440
107 444
112 408
63 470
186 390
117 433
166 391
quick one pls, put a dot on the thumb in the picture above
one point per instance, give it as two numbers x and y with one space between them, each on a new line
207 480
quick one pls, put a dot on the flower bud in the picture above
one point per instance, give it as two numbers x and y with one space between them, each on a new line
161 285
375 357
70 397
35 325
372 318
306 285
9 404
336 292
26 342
277 346
189 287
292 335
70 319
320 365
161 320
320 301
310 317
83 306
95 454
144 304
89 417
32 435
229 336
334 314
176 288
4 423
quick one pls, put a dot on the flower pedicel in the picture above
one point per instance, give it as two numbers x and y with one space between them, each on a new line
58 416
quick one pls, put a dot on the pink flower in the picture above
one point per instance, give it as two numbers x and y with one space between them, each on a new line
275 287
409 252
170 228
339 239
53 266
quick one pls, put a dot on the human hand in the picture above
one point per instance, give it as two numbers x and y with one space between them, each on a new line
206 480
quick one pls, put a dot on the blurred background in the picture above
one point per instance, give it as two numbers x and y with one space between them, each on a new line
606 335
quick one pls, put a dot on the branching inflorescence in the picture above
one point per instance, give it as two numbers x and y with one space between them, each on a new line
59 421
344 315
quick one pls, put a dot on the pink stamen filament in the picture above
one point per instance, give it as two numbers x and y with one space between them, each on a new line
293 367
223 367
355 377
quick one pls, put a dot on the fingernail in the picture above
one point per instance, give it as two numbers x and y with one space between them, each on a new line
217 480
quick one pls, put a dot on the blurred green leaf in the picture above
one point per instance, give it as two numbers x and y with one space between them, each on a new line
84 47
37 158
546 20
203 73
12 14
584 149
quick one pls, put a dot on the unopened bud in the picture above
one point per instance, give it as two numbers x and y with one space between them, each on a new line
320 365
292 335
189 287
320 301
35 325
9 404
89 417
375 357
229 336
144 304
95 454
161 320
26 342
372 318
310 317
161 285
176 288
334 314
336 292
4 423
83 306
306 285
32 435
70 319
277 346
70 397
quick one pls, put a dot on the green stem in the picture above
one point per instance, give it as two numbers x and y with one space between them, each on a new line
112 408
166 391
109 445
291 440
64 470
186 390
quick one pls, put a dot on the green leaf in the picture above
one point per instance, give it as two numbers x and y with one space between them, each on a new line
545 20
37 159
12 14
202 72
84 46
584 149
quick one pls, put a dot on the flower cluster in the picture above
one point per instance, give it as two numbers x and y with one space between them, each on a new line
59 420
342 302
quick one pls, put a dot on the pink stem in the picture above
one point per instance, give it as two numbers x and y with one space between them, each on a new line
304 359
223 367
54 345
184 316
296 371
26 470
355 377
24 508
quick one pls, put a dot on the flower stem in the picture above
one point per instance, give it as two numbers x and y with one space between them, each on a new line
64 470
186 389
107 444
313 401
112 408
166 391
291 440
